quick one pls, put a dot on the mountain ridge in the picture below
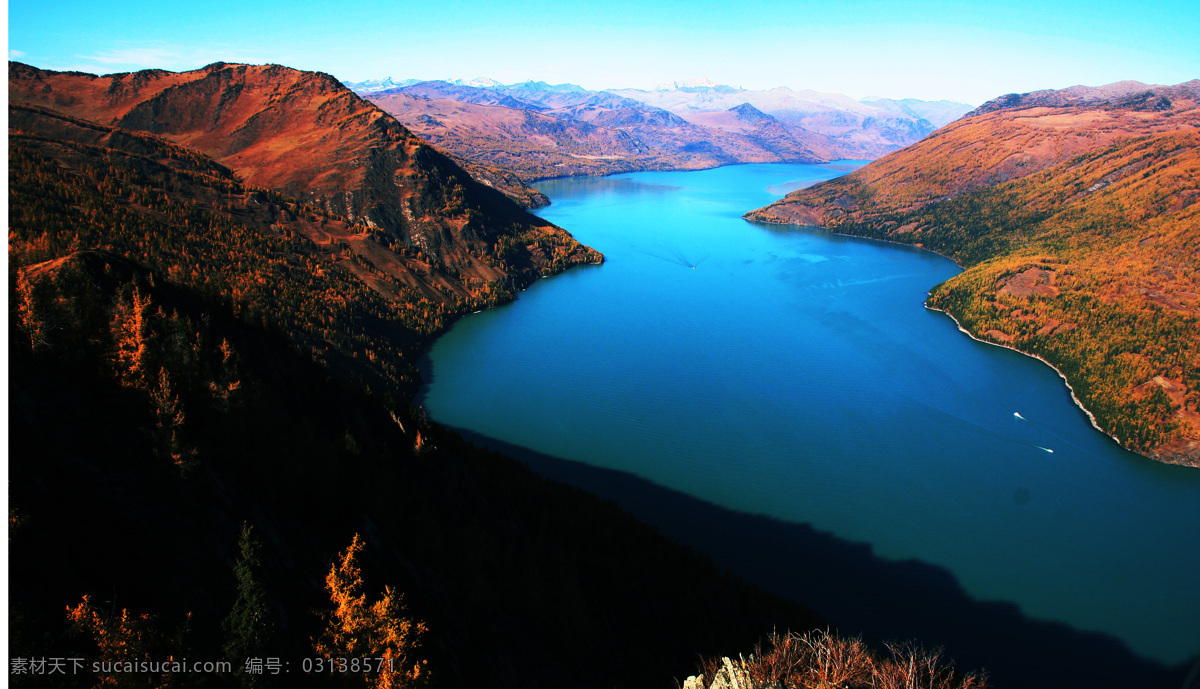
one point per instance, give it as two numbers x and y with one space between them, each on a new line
306 135
680 128
1128 95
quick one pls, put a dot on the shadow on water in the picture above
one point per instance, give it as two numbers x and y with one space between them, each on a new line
861 593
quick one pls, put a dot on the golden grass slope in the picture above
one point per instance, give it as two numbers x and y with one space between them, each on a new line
1079 230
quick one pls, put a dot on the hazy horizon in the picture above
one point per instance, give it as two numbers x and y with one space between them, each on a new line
927 50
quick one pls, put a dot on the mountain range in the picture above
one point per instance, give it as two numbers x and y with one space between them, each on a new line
538 130
1075 215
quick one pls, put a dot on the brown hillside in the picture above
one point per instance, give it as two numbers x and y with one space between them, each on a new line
1076 219
304 134
972 153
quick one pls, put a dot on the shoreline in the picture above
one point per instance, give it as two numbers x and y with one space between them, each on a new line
1161 459
892 242
1074 398
694 169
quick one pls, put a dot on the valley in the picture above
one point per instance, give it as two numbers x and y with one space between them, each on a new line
225 282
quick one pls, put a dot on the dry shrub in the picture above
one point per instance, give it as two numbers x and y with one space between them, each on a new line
821 659
913 667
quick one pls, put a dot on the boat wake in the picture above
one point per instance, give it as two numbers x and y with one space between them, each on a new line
672 255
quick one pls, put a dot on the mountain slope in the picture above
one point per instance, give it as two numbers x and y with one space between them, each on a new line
305 135
1075 216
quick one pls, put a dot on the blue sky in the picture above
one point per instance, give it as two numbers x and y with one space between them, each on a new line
920 49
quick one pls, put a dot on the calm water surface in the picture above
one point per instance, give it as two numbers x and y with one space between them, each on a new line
796 374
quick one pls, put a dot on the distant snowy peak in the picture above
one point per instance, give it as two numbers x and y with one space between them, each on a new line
701 83
543 86
376 85
478 82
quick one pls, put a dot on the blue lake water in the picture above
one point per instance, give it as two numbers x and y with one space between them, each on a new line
793 373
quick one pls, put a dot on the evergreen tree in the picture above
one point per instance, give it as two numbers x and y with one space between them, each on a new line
248 628
131 325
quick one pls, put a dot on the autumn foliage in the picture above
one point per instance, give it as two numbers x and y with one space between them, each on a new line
356 628
124 639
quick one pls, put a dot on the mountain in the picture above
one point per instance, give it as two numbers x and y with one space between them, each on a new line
1128 94
210 398
371 85
549 95
539 131
864 129
939 113
415 218
461 93
748 113
528 141
694 125
1075 216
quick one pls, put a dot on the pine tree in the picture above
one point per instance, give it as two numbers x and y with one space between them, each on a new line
226 387
131 330
28 311
249 628
170 421
356 629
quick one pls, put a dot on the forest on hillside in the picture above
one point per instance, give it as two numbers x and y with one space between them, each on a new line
214 457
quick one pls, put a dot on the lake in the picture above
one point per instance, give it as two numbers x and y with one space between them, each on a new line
793 375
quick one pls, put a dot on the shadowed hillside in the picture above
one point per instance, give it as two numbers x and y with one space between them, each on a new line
192 353
1075 216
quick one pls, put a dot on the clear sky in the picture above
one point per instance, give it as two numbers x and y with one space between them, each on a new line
969 52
